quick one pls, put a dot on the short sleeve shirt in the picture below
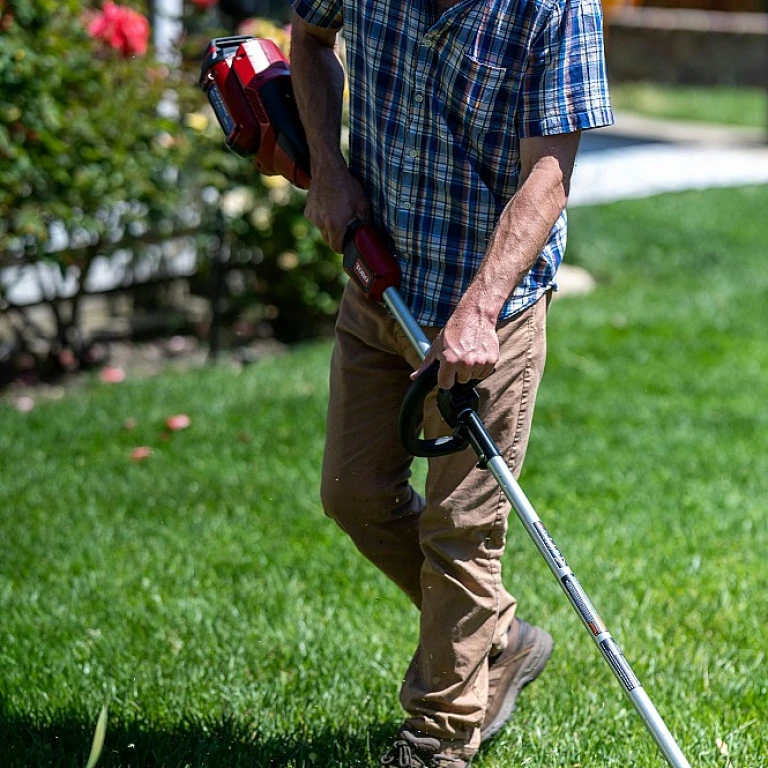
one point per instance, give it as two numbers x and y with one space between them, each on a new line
438 105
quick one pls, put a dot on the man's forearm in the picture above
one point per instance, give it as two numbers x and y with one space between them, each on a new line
468 346
318 82
520 235
336 197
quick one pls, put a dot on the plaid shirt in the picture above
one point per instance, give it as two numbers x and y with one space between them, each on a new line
437 110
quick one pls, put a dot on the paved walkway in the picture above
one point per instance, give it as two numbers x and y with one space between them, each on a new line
639 157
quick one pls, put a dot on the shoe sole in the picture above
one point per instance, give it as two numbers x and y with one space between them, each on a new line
531 669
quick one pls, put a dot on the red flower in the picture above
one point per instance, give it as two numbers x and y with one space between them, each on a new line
205 3
178 422
111 375
121 28
6 18
140 453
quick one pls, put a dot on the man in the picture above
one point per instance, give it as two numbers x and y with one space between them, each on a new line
465 118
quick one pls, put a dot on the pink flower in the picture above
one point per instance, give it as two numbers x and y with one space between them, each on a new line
24 404
121 28
178 422
112 375
140 453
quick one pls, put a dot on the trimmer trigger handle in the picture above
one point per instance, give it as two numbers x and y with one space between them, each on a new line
368 261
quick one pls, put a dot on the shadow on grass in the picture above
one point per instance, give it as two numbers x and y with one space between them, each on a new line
66 743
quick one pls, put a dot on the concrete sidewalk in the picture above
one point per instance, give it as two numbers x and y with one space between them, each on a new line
640 157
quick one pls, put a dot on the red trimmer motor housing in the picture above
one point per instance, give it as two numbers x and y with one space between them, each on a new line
248 83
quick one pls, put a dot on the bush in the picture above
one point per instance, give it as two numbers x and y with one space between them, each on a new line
82 142
87 159
92 157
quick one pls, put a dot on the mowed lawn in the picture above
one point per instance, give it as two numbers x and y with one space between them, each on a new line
228 623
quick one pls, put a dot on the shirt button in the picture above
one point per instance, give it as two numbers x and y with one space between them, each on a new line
418 98
413 153
406 206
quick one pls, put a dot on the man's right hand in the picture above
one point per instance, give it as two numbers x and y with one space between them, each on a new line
335 200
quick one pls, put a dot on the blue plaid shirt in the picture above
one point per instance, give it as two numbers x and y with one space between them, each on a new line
437 110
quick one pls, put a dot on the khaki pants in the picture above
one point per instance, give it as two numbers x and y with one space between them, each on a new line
443 552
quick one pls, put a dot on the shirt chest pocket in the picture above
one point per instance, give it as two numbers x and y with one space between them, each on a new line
472 93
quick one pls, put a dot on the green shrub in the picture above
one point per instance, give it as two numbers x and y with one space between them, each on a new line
281 275
81 140
92 157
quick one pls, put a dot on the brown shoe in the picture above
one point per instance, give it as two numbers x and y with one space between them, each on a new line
412 751
521 662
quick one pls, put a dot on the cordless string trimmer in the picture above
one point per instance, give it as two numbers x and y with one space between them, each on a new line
248 84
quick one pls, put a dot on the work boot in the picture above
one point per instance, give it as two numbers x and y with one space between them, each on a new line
527 652
412 751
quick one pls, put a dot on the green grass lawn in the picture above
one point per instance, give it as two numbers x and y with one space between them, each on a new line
728 106
228 623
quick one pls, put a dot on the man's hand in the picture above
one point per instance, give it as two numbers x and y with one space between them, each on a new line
467 348
334 201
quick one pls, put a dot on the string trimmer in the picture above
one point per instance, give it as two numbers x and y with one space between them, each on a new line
248 84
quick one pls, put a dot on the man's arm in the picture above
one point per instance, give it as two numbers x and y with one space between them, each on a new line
468 346
335 197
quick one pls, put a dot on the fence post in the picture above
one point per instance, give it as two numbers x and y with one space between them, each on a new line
167 27
218 277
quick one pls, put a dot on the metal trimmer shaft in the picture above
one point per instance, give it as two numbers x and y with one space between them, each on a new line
491 459
584 608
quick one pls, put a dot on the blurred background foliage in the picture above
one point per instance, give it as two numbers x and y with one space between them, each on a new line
81 135
103 146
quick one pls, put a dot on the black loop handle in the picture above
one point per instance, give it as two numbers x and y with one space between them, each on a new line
452 403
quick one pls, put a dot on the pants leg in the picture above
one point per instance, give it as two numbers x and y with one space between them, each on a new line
462 533
366 471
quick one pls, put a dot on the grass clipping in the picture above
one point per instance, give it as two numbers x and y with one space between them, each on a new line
98 739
